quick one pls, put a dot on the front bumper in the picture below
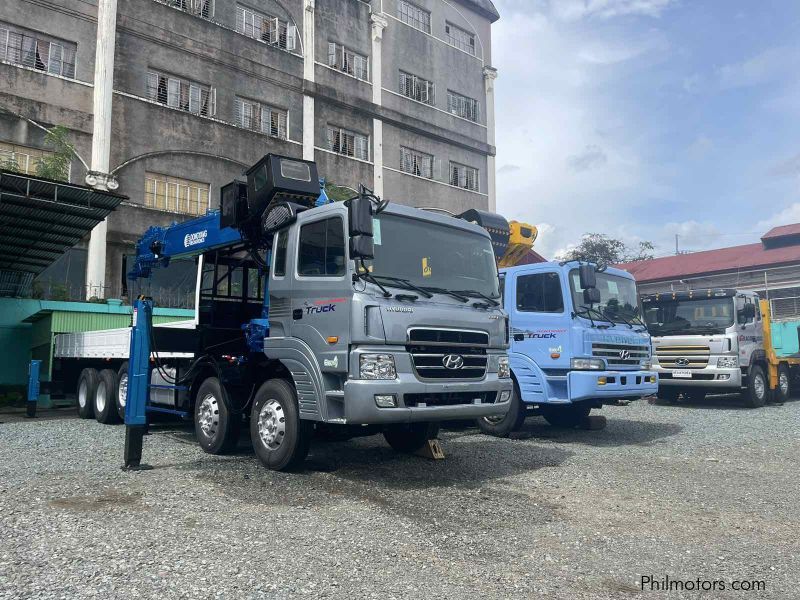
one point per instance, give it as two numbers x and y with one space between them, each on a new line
708 377
584 385
421 401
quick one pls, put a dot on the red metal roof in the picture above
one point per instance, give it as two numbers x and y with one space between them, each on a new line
749 256
782 231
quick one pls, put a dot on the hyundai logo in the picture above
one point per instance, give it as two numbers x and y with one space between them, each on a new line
624 354
453 361
682 362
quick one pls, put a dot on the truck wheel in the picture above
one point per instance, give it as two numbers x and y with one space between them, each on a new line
122 390
216 426
503 426
755 396
784 389
567 417
280 438
105 398
668 394
410 437
87 386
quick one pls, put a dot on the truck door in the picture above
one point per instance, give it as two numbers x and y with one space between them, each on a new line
322 291
751 335
536 304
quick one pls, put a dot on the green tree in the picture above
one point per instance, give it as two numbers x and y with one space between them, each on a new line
56 165
605 250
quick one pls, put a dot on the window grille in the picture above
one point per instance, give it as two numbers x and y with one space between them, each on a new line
347 61
413 15
463 176
266 28
176 195
260 117
462 106
21 158
30 49
416 163
183 95
417 88
348 143
460 38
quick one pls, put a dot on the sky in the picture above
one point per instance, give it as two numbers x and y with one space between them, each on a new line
643 119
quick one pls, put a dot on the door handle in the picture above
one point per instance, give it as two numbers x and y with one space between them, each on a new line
297 314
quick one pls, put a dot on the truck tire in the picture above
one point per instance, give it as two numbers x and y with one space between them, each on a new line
105 398
216 426
755 395
668 394
509 422
784 389
87 386
122 390
566 417
410 437
281 439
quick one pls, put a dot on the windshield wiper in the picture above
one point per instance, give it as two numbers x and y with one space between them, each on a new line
586 312
456 295
627 322
405 282
370 277
479 295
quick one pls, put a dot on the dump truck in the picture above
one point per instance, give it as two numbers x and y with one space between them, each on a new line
722 341
577 338
312 317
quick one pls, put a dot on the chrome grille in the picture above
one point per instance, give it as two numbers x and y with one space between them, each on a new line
621 355
683 357
429 347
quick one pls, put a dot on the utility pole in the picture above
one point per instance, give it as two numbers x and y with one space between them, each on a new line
98 176
676 245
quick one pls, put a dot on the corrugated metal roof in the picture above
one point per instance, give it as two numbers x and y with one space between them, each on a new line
40 219
749 256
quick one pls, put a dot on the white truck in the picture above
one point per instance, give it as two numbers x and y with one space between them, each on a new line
718 341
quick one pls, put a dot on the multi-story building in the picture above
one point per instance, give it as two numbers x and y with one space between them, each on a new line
395 94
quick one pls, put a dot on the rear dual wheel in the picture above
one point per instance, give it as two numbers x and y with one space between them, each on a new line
87 388
105 398
216 424
281 439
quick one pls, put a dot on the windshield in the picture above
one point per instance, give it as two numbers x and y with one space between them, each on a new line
430 255
702 316
618 299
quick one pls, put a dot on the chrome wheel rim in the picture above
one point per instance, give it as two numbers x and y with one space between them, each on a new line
100 397
272 424
494 419
122 392
208 415
758 386
783 382
82 390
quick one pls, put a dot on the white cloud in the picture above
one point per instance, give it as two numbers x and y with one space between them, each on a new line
572 10
769 65
787 216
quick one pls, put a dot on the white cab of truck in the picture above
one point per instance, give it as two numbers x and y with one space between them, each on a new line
707 341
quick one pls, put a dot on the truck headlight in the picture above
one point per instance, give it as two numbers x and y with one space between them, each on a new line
503 369
377 366
727 362
587 364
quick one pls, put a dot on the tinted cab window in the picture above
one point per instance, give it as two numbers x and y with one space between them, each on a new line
321 249
540 292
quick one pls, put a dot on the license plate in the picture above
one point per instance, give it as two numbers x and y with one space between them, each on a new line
682 374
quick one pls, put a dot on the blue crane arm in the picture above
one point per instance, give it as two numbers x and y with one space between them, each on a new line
159 245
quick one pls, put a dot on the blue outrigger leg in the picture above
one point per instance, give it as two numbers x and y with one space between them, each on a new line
138 384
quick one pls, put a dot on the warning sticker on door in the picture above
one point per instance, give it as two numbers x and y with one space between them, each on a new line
426 267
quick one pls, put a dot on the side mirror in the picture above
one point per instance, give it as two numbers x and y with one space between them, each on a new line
588 276
362 247
747 313
591 295
360 216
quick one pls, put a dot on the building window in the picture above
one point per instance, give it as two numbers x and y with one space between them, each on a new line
175 195
347 143
464 177
460 38
462 106
540 292
417 88
266 28
183 95
321 249
413 15
32 50
260 117
417 163
347 61
20 158
198 8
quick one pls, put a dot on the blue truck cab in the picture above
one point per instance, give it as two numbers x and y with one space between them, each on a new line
577 342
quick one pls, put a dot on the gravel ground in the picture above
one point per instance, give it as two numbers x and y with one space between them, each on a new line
705 491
